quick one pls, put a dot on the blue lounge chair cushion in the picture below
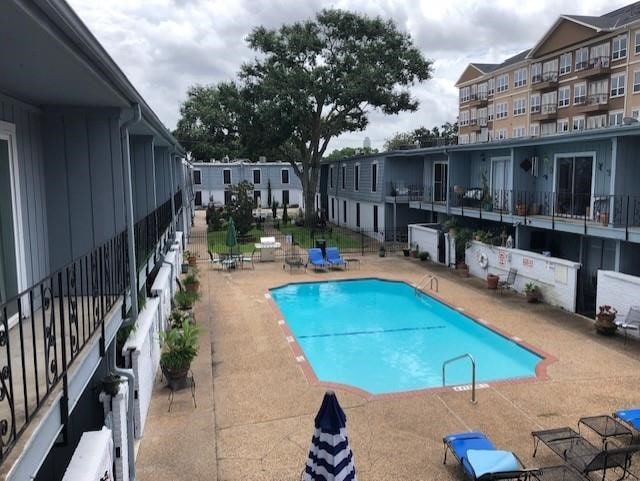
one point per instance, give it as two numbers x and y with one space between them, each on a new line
460 443
630 416
333 256
484 461
315 257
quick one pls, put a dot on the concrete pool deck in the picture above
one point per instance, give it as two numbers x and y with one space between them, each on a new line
263 405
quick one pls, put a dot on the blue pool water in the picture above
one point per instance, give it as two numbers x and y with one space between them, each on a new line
380 337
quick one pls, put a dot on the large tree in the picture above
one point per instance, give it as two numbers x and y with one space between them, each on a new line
423 137
338 154
315 80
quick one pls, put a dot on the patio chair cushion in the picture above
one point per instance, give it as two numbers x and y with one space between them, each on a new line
630 416
460 443
485 461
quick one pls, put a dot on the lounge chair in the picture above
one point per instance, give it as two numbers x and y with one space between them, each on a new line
248 259
508 282
580 454
629 416
334 258
631 323
315 258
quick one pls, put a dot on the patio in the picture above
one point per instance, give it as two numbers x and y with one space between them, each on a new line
255 406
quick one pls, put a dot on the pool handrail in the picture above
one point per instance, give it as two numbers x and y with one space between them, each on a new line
473 373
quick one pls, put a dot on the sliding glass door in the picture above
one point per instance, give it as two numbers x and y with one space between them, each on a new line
573 185
440 170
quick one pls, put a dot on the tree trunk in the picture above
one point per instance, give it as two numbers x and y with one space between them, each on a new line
310 174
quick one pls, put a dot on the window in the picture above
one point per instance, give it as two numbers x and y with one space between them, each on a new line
520 77
198 198
344 176
597 121
564 96
482 91
565 63
582 58
491 86
256 198
550 71
600 55
518 132
637 42
227 197
535 103
465 94
549 104
256 176
536 73
331 176
502 83
357 214
285 197
284 176
502 134
599 89
464 117
356 177
344 211
197 177
578 123
615 118
519 106
501 110
619 49
374 177
472 138
563 126
635 114
490 112
548 128
579 94
463 138
534 130
617 85
226 176
636 81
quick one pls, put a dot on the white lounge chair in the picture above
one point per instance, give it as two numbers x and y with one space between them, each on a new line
631 323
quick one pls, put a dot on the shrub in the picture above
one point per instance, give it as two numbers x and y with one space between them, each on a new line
240 208
185 299
285 214
180 346
424 256
274 209
214 217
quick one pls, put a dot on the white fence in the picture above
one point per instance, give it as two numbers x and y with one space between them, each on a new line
557 278
618 290
115 418
427 238
93 458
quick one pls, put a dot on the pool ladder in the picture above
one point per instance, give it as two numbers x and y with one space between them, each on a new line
473 373
423 283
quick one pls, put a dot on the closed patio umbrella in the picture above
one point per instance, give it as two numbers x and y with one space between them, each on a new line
231 238
330 457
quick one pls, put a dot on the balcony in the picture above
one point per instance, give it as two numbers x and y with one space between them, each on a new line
597 67
594 103
546 112
401 193
474 124
479 99
544 81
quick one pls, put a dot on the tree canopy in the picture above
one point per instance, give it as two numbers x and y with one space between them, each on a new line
350 152
310 82
423 137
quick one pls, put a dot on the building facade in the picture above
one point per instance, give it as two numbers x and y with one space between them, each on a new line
583 74
213 180
94 192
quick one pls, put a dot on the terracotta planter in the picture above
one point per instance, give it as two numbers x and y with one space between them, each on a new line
193 287
492 281
533 298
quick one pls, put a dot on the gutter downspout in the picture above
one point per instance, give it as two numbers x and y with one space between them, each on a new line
130 428
172 157
128 203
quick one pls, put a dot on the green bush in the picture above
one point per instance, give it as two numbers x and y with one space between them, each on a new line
185 300
180 346
240 207
285 215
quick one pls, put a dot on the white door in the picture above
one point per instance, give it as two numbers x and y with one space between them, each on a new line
499 175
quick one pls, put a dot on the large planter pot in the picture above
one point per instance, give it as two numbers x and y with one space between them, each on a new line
175 376
605 324
533 298
193 287
406 252
492 281
382 253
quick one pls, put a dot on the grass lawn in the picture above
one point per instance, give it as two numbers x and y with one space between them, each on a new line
216 241
344 239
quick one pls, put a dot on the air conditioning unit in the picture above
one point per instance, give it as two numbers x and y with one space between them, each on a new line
262 158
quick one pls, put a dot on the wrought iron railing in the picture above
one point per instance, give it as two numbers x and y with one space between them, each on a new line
44 329
177 201
149 230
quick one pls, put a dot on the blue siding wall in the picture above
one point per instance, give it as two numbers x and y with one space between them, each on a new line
163 180
364 193
28 122
143 183
213 175
83 177
627 169
402 171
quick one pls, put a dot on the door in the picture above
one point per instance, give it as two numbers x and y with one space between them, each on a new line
573 186
198 200
375 218
596 254
442 248
499 178
440 170
256 195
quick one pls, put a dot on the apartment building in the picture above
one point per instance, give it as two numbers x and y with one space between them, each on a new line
584 73
94 192
213 180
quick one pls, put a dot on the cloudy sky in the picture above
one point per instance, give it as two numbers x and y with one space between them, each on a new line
164 46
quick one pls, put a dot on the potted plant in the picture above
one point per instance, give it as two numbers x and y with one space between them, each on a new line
177 317
192 259
533 292
406 251
111 383
180 348
521 209
424 256
191 282
462 237
185 299
605 320
492 281
382 251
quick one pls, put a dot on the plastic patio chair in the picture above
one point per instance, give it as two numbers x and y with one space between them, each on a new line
508 282
631 323
248 259
334 258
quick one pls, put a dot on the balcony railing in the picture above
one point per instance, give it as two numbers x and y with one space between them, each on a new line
597 66
403 190
595 103
177 201
44 329
149 230
544 80
547 111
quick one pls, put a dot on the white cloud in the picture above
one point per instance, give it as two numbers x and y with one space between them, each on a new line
164 46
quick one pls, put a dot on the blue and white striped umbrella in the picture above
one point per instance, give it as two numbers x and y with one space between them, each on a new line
330 456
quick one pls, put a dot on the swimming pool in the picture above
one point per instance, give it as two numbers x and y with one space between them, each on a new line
379 336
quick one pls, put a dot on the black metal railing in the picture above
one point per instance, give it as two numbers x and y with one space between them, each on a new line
44 329
177 201
403 190
149 230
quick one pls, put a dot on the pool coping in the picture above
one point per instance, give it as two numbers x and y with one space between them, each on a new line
541 371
